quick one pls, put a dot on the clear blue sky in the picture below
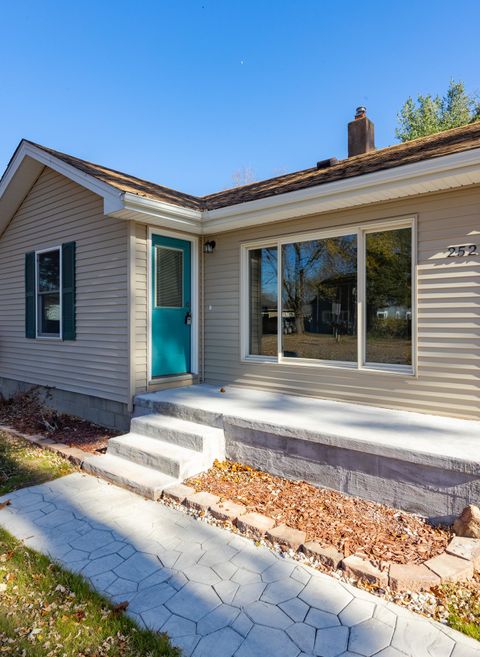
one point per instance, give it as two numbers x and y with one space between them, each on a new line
186 92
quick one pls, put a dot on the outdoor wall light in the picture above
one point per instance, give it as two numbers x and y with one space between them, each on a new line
209 246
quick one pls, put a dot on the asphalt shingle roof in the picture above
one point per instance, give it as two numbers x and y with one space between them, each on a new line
437 145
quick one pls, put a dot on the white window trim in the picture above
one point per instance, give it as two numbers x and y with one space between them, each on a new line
360 230
38 335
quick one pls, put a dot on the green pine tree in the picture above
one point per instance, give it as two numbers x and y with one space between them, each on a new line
430 114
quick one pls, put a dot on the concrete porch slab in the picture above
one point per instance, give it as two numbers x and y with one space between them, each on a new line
415 437
413 461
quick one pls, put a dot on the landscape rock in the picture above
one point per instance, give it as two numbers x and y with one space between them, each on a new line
466 548
362 569
286 536
178 493
255 524
468 523
412 577
329 556
227 510
200 501
450 568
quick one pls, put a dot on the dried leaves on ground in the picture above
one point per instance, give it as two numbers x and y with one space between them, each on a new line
351 524
48 612
23 464
28 413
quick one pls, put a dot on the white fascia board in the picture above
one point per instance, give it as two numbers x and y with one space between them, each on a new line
112 196
434 175
161 213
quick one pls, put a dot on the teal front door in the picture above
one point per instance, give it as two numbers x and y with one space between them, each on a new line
171 306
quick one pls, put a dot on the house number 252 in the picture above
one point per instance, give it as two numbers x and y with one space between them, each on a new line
465 250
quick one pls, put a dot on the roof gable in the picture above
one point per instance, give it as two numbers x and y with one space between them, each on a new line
129 197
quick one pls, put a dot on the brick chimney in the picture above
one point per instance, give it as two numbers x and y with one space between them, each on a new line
361 137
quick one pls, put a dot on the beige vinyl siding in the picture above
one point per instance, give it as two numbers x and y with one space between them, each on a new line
57 210
141 308
448 321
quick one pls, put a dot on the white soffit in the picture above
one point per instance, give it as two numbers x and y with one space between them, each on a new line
436 174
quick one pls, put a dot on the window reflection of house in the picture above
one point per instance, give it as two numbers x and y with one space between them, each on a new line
394 312
333 309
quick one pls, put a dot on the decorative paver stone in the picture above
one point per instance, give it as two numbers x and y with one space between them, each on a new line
255 524
137 567
413 637
466 548
356 612
296 609
286 536
223 642
412 577
362 569
281 591
319 594
178 493
369 637
303 636
263 641
269 615
329 556
227 510
194 601
450 568
331 641
200 501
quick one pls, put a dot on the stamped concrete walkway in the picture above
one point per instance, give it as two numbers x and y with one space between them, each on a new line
214 593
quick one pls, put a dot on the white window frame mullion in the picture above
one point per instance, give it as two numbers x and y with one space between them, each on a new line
361 296
279 304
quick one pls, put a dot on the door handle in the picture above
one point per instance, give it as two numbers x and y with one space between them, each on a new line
188 318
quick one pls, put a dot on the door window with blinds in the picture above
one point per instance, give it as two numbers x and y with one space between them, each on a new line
168 277
344 299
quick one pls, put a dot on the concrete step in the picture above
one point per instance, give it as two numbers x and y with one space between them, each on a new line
161 456
184 433
149 402
124 473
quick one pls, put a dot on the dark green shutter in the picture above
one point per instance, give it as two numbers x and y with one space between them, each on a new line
30 295
68 291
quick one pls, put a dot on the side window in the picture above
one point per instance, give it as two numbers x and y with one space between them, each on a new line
50 294
49 303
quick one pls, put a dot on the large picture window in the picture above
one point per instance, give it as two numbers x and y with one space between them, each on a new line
338 299
49 293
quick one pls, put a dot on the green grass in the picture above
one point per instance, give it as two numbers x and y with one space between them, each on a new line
24 464
470 629
463 603
45 611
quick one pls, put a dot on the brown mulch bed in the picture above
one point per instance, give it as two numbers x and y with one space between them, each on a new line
351 524
26 412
